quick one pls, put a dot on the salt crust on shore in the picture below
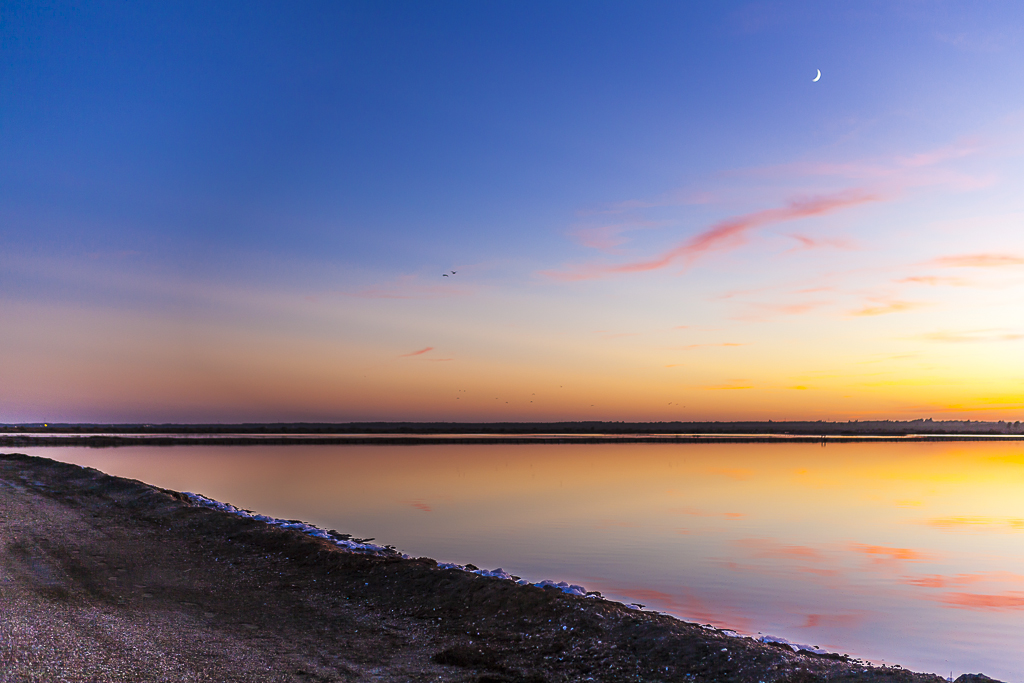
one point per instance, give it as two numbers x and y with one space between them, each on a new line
345 541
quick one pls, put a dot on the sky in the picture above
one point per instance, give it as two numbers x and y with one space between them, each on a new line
259 211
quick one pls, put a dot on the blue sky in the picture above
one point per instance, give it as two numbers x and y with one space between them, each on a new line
228 165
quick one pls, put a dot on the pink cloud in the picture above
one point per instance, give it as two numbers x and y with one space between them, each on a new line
960 150
763 311
979 261
727 234
815 243
421 506
418 353
918 170
607 237
796 309
933 280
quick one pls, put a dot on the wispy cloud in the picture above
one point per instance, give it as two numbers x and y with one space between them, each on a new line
727 234
933 281
976 41
973 523
807 243
418 353
923 169
884 308
959 150
978 261
608 237
972 337
759 311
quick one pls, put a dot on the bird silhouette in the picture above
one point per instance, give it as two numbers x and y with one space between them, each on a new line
444 274
453 272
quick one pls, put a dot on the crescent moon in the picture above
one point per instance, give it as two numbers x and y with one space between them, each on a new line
816 78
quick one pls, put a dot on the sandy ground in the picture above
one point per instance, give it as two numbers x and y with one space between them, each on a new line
109 579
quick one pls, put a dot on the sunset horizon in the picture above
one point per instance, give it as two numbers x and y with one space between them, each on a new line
648 214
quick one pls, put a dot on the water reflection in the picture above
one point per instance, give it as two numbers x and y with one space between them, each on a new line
907 552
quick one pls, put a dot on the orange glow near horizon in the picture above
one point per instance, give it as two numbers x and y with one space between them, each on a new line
284 360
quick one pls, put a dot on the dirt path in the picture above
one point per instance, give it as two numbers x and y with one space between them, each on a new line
107 579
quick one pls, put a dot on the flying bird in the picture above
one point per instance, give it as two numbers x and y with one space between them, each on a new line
444 274
453 272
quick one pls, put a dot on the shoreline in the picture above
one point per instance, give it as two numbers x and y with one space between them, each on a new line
164 440
137 552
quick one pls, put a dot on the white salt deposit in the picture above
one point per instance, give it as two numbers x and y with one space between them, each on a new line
338 539
797 647
345 541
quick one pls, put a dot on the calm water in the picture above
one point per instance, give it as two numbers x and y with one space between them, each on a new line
909 553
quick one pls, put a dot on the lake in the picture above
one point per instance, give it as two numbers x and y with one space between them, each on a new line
908 553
